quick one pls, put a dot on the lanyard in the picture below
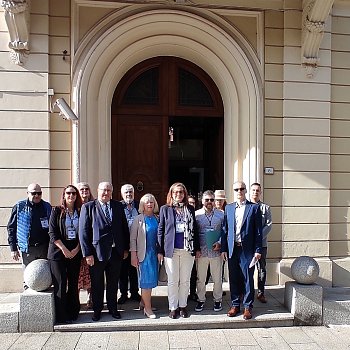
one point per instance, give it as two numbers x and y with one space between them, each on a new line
71 218
179 214
209 217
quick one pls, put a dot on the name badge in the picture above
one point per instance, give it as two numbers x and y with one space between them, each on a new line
71 233
180 227
44 222
130 222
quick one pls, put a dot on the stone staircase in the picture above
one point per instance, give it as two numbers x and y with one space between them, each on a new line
336 306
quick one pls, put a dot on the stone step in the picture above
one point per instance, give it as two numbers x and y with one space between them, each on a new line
336 306
271 314
9 311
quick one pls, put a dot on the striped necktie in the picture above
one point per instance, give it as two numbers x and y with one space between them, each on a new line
108 216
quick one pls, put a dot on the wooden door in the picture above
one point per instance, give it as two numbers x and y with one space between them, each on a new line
140 155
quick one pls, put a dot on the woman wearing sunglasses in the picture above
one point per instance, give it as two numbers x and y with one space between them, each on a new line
178 244
64 255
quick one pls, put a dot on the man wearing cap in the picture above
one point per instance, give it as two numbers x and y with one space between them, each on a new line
241 245
28 227
255 195
220 199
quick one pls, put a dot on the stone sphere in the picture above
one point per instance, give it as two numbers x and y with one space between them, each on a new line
305 270
37 275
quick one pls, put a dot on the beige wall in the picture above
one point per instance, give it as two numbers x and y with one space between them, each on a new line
306 126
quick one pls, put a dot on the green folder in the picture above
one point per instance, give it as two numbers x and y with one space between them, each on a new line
211 237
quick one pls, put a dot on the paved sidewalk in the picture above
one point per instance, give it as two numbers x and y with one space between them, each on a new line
305 338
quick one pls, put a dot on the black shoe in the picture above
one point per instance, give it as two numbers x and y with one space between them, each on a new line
173 314
123 299
115 314
96 316
135 297
193 297
183 312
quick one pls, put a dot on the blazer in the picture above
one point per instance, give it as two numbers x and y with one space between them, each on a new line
251 231
166 231
57 231
138 236
97 235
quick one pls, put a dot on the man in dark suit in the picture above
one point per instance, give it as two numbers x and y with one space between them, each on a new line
104 239
241 244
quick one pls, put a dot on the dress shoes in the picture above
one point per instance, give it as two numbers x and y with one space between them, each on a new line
123 299
173 314
183 312
261 298
234 311
96 316
247 314
115 314
135 297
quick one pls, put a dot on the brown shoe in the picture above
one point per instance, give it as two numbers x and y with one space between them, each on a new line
234 310
183 312
261 298
247 315
173 314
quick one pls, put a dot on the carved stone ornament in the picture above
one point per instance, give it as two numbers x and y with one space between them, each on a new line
315 13
17 14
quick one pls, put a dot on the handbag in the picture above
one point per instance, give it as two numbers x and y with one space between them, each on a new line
162 275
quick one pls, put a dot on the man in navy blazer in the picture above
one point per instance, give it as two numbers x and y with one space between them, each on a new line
105 240
241 244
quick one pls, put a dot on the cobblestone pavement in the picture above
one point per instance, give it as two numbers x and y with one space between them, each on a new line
305 338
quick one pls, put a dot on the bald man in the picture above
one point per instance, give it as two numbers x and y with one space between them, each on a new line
28 227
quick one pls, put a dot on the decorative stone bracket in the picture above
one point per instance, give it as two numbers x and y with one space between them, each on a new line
315 13
17 15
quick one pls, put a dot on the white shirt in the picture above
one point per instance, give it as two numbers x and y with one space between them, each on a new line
240 208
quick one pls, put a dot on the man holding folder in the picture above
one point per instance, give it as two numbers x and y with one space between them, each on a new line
210 223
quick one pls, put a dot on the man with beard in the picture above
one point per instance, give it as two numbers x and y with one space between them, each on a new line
210 223
128 272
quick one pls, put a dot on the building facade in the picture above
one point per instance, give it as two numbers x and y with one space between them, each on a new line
219 90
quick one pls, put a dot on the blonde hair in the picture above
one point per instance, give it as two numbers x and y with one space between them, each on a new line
145 198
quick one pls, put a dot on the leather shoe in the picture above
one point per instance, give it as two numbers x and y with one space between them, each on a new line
96 316
173 314
135 297
234 311
261 298
183 312
115 314
247 315
123 299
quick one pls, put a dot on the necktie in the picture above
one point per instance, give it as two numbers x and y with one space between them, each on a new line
108 216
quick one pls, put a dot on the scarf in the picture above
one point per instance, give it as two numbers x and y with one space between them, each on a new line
188 226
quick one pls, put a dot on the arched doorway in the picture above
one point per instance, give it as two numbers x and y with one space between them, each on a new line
167 125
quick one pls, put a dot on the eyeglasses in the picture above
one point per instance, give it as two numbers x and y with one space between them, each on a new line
72 193
178 192
85 189
209 199
128 191
38 193
239 189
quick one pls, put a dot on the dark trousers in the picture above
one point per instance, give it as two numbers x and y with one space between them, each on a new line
238 267
128 274
261 266
111 270
193 280
65 275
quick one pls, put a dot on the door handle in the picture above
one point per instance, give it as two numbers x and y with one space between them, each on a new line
139 186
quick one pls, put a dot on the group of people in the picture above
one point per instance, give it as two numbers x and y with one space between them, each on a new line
97 244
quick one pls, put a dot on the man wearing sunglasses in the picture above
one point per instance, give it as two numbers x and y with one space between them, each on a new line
209 221
28 227
241 244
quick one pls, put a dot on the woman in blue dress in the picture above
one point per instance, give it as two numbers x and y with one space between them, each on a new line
143 241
